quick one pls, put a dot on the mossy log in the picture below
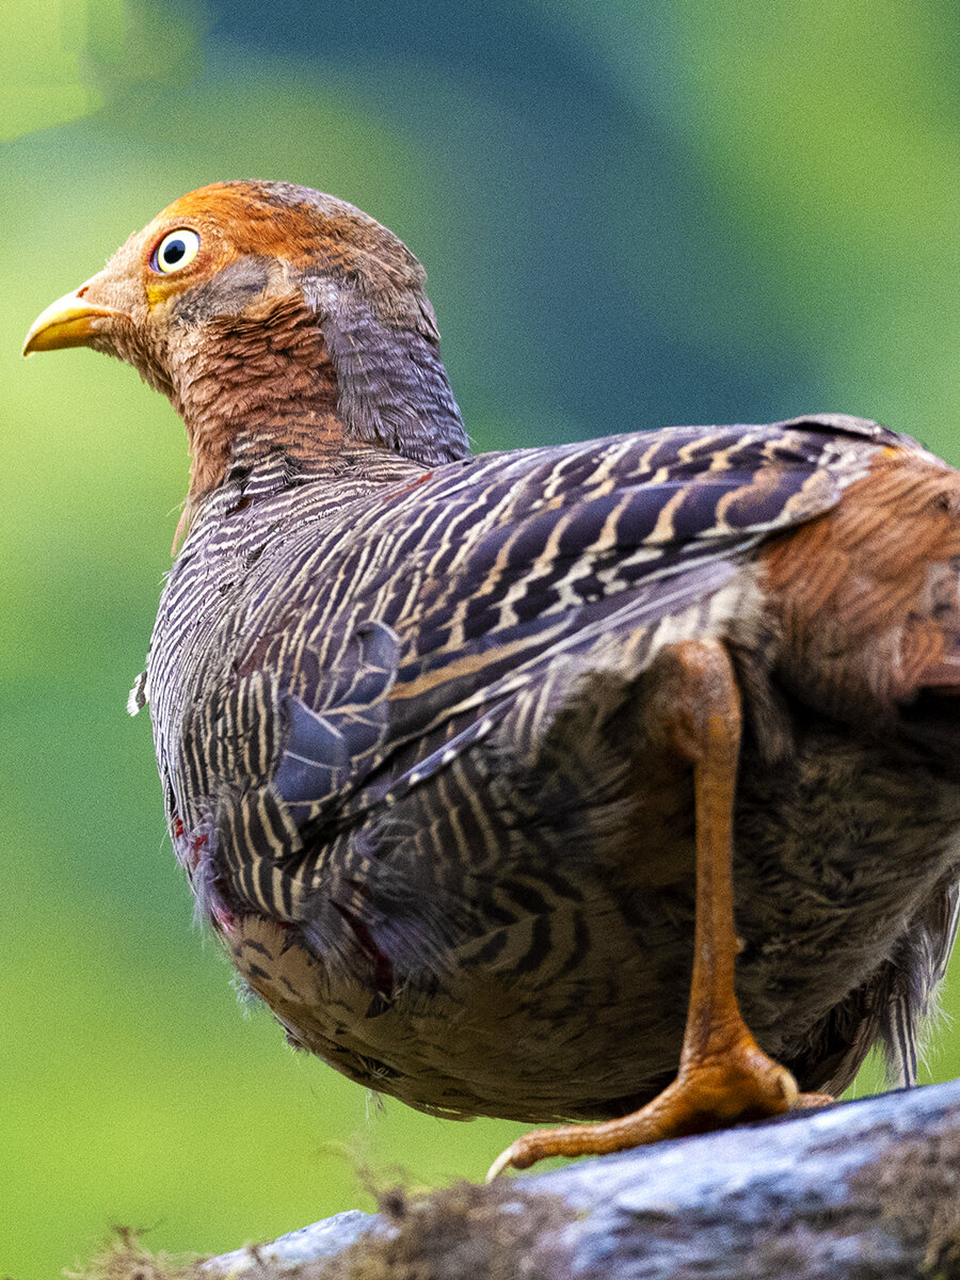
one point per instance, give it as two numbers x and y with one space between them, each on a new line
866 1189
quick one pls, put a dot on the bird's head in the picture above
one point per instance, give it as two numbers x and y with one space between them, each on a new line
268 310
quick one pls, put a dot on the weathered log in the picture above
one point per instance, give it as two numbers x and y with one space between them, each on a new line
866 1189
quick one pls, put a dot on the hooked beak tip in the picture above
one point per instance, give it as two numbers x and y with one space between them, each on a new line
71 321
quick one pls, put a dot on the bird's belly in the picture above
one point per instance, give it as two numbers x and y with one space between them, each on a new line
485 1039
575 1007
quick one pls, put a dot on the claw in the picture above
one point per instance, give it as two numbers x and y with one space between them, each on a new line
503 1161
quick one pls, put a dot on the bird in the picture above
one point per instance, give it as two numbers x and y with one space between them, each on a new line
611 785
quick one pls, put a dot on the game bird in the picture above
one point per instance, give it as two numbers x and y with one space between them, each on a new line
510 780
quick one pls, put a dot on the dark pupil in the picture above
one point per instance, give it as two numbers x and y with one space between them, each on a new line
173 252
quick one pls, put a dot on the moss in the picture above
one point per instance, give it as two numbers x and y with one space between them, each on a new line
125 1258
918 1200
464 1232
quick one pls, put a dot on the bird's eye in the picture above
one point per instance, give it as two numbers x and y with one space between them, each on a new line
175 251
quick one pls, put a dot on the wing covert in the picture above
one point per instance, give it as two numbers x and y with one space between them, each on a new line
417 627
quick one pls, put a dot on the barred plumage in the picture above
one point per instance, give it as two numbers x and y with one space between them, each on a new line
427 723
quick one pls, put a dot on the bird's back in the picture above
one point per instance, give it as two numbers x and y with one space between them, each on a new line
479 574
397 711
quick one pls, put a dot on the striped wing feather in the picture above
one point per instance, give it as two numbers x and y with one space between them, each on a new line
496 568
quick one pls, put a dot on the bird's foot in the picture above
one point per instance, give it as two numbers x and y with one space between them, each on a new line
738 1083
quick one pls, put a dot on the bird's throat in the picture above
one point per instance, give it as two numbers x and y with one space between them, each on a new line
271 386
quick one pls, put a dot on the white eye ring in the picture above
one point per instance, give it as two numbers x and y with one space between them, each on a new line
175 251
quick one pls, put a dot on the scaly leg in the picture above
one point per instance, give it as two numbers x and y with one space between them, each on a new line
724 1076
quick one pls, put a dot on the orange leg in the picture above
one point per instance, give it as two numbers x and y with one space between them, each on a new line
724 1076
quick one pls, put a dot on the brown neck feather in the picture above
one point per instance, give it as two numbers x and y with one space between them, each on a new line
273 383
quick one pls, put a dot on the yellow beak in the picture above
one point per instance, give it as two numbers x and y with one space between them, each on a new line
68 322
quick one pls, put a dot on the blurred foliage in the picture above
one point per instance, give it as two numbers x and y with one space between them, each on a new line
632 214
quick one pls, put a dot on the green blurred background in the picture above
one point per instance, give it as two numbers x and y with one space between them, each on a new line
633 214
